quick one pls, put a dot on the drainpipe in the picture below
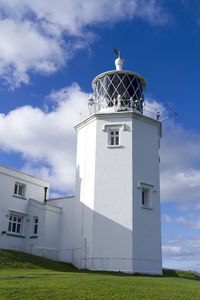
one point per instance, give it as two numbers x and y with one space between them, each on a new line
45 194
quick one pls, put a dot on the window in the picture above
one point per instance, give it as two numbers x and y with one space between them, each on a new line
114 137
146 203
19 189
35 225
114 134
15 224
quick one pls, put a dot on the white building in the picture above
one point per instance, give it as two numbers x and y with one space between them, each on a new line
113 221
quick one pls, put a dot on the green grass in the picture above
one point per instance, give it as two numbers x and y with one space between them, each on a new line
177 285
19 263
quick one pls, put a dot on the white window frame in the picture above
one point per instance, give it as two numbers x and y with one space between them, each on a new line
116 128
15 221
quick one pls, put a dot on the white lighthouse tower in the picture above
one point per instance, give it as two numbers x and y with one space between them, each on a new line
118 178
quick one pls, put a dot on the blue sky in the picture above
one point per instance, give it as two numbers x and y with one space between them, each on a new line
50 53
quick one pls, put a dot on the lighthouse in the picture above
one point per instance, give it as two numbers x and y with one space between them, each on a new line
117 181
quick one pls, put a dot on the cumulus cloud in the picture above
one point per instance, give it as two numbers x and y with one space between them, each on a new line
182 249
47 140
41 36
190 222
153 108
24 48
167 218
180 161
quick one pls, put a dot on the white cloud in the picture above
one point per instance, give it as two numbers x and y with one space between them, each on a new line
23 48
74 15
167 218
182 249
47 141
180 161
41 36
153 12
171 250
152 108
190 222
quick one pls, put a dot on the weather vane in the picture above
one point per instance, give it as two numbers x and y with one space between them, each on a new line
118 53
119 61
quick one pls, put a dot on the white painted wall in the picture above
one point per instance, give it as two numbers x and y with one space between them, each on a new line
57 220
114 235
34 188
146 222
85 187
104 227
69 244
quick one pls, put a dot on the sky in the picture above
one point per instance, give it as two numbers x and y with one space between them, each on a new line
50 51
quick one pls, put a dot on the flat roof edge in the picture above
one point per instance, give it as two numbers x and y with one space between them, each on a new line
14 170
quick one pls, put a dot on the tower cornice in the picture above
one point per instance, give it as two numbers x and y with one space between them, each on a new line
123 114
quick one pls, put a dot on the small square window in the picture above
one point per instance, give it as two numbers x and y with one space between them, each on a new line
19 189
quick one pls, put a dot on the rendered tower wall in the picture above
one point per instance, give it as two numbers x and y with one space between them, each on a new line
118 233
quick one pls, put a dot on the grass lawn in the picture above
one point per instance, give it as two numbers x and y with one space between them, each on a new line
19 263
88 285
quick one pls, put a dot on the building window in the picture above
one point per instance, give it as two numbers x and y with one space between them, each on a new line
35 225
114 137
15 224
114 134
19 189
146 203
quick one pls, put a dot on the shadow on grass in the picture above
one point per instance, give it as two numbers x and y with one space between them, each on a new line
180 274
14 260
10 259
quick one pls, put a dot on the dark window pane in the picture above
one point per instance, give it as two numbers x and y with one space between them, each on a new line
9 226
117 140
121 76
112 140
116 80
15 189
110 91
35 229
131 91
36 220
126 81
134 83
117 132
20 190
111 76
18 228
14 219
143 196
120 89
19 220
14 227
